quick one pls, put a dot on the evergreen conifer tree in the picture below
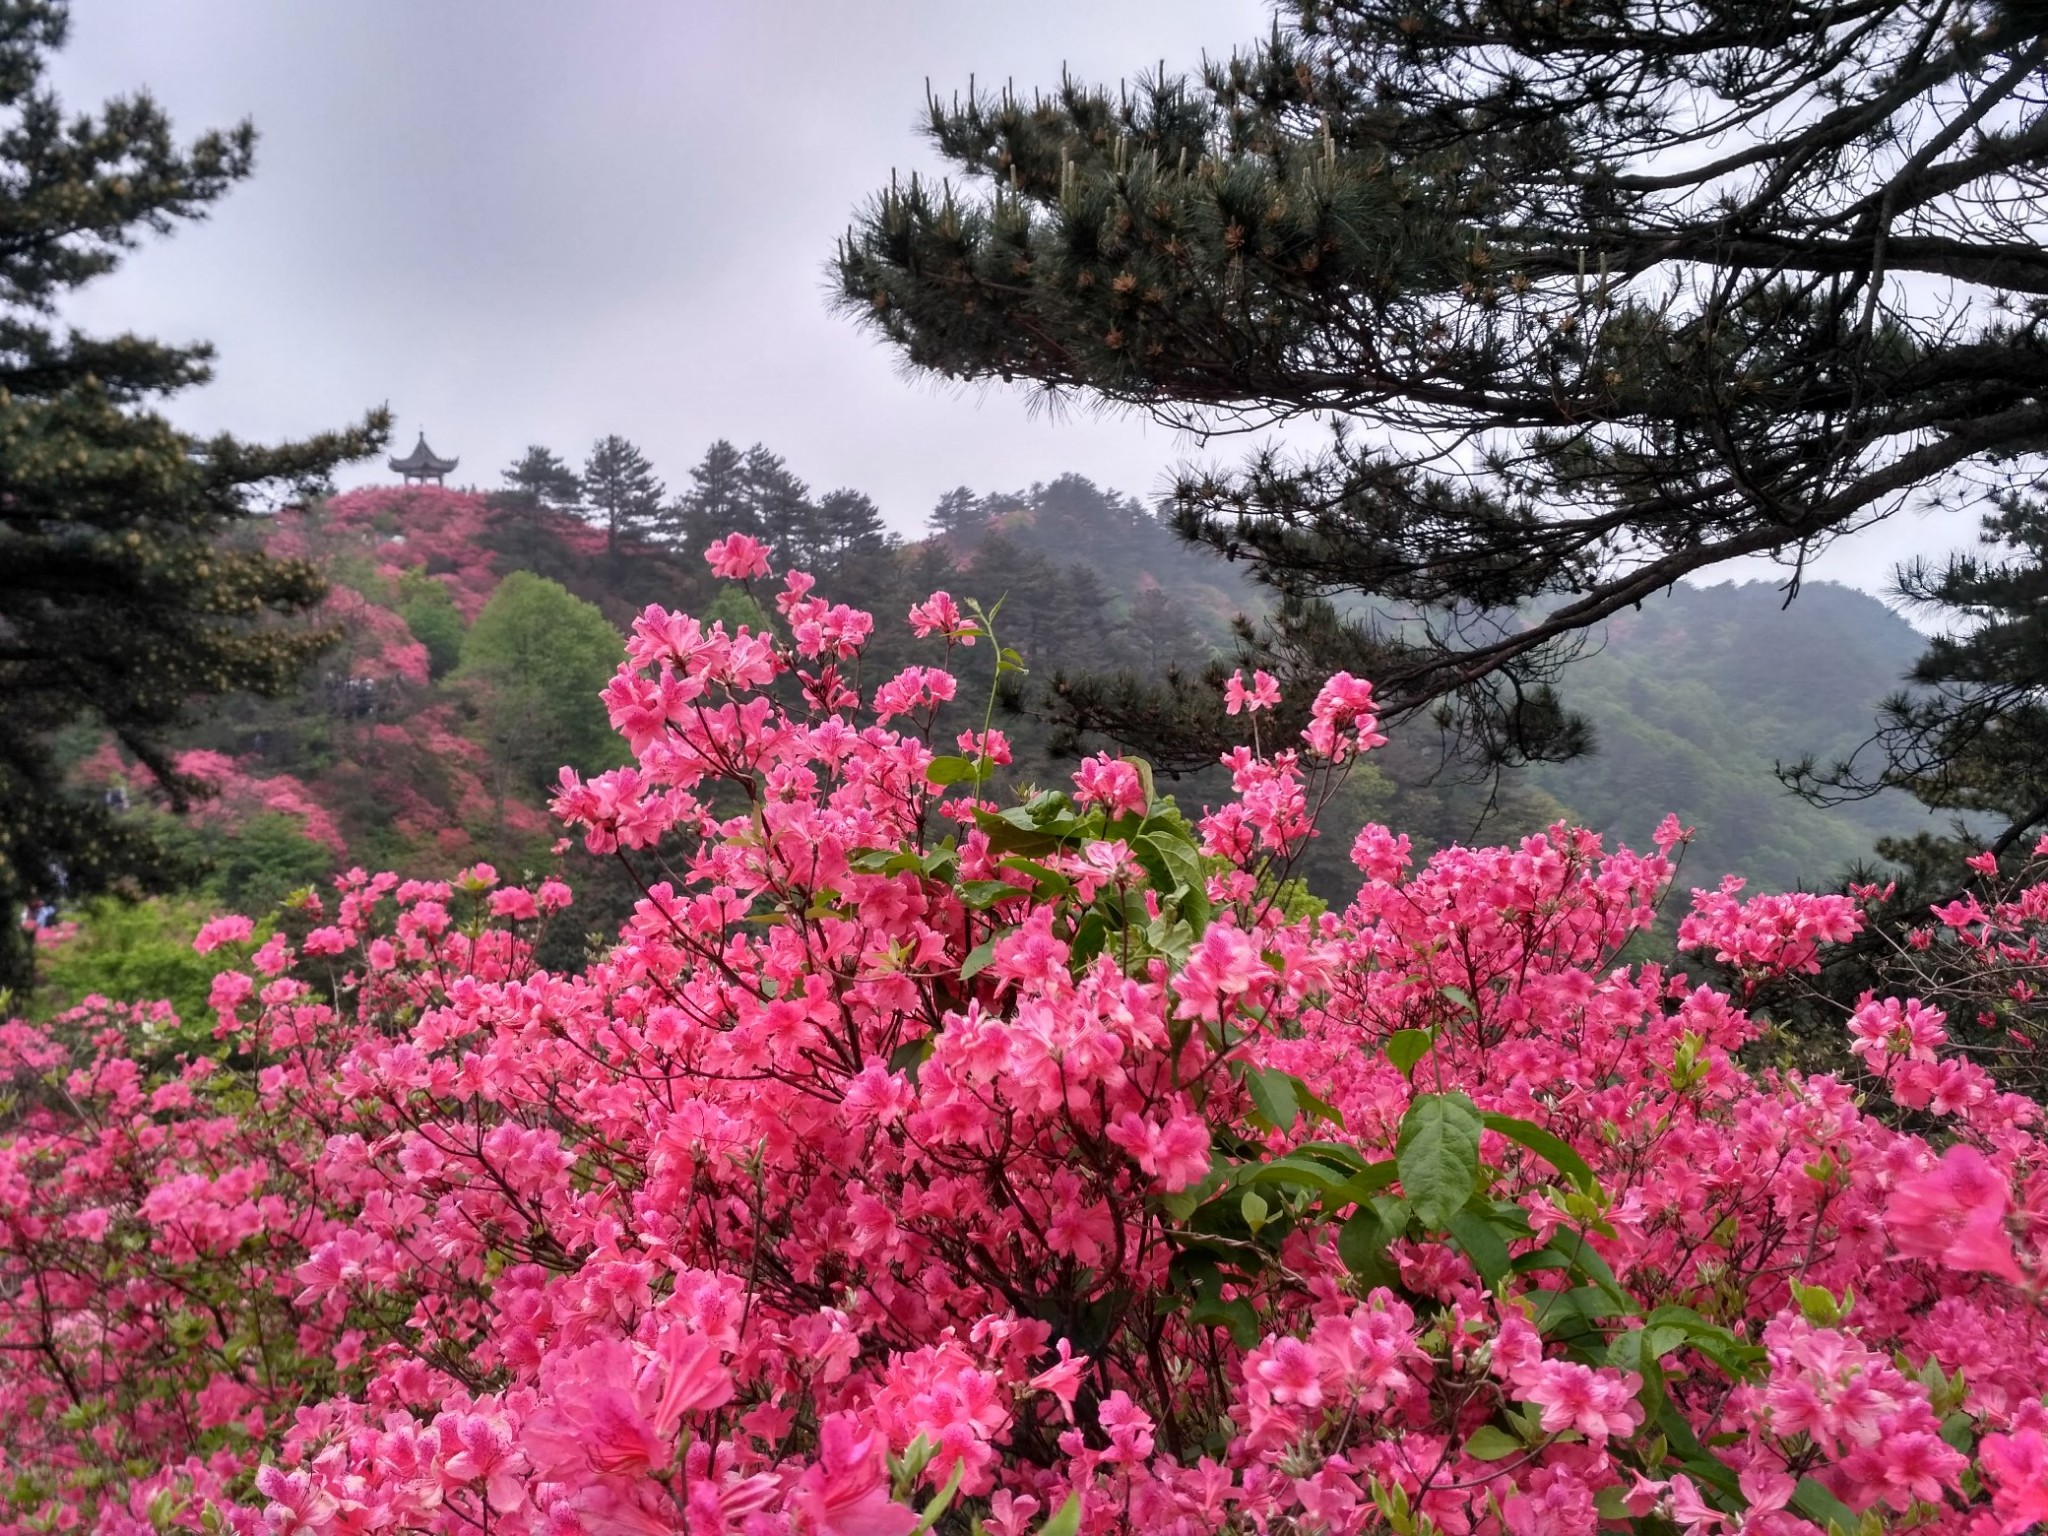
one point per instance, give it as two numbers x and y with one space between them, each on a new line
717 502
1603 296
542 475
536 483
782 507
849 525
1970 732
621 492
132 586
961 515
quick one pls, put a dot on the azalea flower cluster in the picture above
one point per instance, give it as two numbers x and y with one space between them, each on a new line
919 1159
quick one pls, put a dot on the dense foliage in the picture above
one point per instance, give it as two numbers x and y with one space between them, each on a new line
1613 292
916 1161
1971 734
472 632
121 601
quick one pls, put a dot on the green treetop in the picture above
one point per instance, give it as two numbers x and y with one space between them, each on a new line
127 596
1607 293
621 491
1971 733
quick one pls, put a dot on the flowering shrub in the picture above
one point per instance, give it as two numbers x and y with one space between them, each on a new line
916 1162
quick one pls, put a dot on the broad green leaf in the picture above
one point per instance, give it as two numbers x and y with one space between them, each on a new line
1361 1186
1475 1236
1090 939
1183 1203
1050 881
1337 1154
1553 1149
1066 1521
1144 778
1488 1443
911 1055
1812 1499
1172 939
1405 1047
1438 1155
1660 1341
1236 1316
1316 1106
1273 1097
982 894
978 958
1254 1208
1301 1172
1362 1245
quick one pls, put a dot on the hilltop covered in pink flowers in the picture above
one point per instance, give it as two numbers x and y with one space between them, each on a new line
917 1160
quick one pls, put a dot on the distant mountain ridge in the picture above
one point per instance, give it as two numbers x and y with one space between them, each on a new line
1693 699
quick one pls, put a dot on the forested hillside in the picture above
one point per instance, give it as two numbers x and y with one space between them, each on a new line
1696 697
473 632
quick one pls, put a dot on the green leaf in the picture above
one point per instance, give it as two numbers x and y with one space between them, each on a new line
1050 881
1235 1315
1338 1155
1405 1047
1172 939
1144 778
1362 1186
1553 1149
1273 1097
944 1501
1487 1443
1438 1155
1314 1105
1183 864
1362 1245
1475 1235
1812 1499
982 894
1066 1521
1301 1172
978 958
911 1055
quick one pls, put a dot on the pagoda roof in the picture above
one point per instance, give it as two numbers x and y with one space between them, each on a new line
423 461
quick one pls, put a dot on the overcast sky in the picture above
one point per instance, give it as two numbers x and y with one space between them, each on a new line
516 222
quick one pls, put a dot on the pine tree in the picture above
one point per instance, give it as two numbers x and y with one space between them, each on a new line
621 492
849 525
537 483
1970 733
1603 296
133 587
1161 636
782 508
960 515
542 475
716 504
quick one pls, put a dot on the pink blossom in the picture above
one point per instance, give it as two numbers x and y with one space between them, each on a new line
2017 1465
736 557
1264 693
1341 721
843 1493
222 930
940 615
1110 782
1955 1213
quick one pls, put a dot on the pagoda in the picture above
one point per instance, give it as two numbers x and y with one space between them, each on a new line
421 465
